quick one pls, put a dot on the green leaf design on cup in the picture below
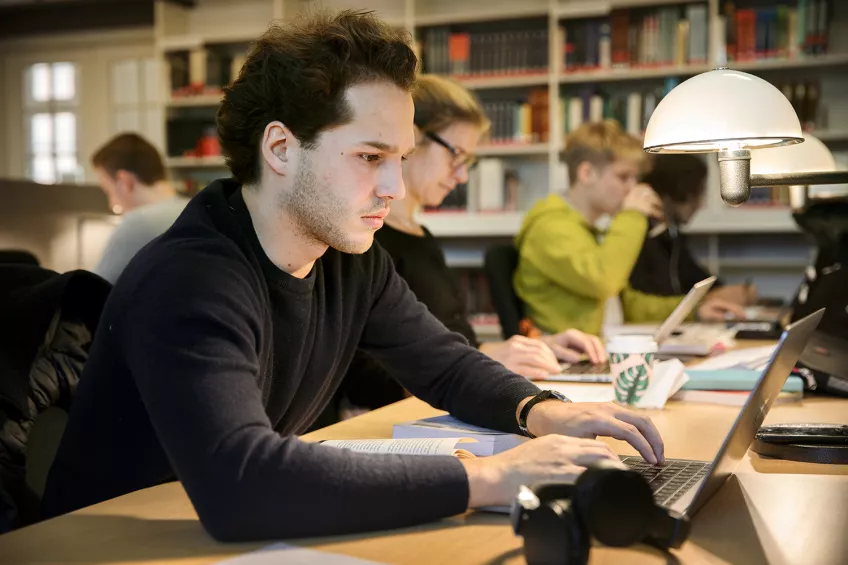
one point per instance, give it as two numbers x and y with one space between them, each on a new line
630 384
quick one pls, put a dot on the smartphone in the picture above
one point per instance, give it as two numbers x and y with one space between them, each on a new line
817 434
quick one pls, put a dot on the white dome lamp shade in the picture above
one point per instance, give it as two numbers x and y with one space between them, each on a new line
808 157
728 112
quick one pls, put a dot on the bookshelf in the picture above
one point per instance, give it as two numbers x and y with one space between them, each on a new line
532 28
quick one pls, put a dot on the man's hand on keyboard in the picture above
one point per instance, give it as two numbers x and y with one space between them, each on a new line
572 346
590 419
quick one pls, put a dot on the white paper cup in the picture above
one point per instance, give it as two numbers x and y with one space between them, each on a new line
631 359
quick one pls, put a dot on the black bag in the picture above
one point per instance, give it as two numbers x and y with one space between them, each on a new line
824 362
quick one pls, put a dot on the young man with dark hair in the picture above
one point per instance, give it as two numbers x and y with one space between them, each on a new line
227 336
666 266
130 171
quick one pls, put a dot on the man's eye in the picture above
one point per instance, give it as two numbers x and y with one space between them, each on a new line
371 158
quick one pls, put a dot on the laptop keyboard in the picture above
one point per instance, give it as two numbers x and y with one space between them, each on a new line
672 480
586 368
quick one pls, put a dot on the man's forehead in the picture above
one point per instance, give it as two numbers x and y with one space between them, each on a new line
380 104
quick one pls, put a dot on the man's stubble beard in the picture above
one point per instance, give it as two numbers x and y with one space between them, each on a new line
319 215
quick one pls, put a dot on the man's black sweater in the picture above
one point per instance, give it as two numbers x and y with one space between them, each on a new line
209 359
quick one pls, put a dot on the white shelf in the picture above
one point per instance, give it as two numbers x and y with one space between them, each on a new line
423 20
506 224
186 42
744 220
201 101
608 75
462 224
216 162
591 8
832 59
504 81
507 149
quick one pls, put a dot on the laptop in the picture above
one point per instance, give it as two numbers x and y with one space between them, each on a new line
683 486
584 371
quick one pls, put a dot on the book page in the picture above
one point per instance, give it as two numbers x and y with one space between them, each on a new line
424 446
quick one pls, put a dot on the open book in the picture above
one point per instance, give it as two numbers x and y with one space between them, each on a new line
486 442
419 446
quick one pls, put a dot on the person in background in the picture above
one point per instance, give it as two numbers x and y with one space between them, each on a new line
449 123
131 173
568 268
228 335
666 266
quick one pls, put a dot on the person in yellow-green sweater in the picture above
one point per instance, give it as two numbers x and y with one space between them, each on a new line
568 268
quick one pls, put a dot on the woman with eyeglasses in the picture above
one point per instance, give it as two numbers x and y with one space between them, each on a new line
449 123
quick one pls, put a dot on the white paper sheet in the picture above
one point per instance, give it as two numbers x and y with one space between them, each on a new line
581 392
293 555
754 358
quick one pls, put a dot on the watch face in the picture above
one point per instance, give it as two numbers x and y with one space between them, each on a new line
557 395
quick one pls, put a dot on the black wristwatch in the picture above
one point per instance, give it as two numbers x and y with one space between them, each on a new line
525 410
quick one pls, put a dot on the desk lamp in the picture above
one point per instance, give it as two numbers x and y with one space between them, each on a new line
731 113
807 157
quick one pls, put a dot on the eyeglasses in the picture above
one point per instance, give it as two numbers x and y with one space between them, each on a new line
460 157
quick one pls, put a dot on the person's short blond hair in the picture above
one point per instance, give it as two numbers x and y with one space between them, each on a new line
440 102
600 143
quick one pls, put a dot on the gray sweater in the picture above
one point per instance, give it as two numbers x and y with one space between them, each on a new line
137 228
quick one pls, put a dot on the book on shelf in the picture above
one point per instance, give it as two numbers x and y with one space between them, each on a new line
455 51
453 446
487 442
631 109
521 120
779 30
635 38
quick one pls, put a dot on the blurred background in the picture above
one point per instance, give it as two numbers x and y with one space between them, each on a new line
77 72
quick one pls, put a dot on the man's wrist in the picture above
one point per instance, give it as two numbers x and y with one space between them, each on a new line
484 483
535 418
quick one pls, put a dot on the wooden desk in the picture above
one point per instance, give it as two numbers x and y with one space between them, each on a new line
772 512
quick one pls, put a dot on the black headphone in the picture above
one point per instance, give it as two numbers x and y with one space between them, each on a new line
611 505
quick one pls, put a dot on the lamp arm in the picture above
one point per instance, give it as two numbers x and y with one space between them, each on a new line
792 179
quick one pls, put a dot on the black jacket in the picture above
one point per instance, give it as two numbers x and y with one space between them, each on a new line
666 266
48 321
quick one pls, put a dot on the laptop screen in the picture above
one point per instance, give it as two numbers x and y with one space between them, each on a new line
679 315
742 433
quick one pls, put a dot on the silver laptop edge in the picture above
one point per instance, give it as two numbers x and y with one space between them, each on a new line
682 311
759 402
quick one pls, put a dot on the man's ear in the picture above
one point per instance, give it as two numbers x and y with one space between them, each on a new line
276 146
586 173
125 183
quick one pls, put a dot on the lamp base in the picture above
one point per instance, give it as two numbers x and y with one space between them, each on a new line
735 175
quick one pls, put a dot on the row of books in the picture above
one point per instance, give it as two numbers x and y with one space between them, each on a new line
492 187
477 53
631 109
636 38
519 121
775 31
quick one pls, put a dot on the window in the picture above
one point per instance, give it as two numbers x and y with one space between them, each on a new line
50 122
135 99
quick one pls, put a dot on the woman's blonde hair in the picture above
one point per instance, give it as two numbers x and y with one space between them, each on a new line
441 102
600 143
